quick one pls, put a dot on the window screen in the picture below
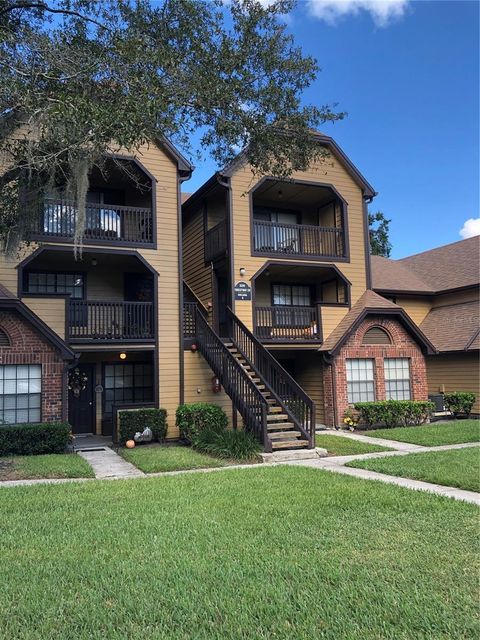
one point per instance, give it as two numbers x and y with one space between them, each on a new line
127 384
67 283
292 295
360 380
397 378
20 393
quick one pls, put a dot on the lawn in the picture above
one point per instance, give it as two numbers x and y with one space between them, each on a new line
338 446
259 553
56 465
431 435
155 458
456 468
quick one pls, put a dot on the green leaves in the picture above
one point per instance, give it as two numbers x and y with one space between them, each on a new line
380 244
83 75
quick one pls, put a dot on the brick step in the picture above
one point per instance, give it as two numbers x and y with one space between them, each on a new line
282 426
290 444
276 416
279 435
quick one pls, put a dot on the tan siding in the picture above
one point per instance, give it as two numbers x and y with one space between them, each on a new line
196 274
328 172
51 311
198 384
454 372
310 377
164 261
417 308
469 295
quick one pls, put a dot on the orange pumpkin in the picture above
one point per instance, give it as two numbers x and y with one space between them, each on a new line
130 444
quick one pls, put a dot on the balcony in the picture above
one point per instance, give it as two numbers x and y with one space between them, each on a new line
89 320
285 239
287 324
104 223
216 241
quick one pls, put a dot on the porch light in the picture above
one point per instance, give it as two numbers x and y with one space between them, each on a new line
280 194
243 271
94 262
123 356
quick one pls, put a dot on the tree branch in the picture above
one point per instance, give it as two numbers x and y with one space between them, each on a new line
44 7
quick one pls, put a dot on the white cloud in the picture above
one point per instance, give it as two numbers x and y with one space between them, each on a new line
471 227
383 12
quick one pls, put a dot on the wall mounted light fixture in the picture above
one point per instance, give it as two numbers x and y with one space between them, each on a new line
243 271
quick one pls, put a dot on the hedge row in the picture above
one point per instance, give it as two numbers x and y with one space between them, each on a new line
193 419
130 421
460 402
34 439
394 413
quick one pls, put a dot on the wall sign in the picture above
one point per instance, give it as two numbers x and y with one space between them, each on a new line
242 291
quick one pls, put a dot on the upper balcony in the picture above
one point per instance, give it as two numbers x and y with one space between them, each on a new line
298 220
103 298
119 209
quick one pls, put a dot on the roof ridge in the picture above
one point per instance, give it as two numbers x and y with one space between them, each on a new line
442 246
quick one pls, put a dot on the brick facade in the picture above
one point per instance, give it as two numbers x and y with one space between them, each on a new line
402 346
28 346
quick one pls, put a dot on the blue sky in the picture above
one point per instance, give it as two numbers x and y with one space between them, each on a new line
407 74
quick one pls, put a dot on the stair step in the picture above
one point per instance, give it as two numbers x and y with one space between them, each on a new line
276 416
278 435
290 444
276 410
283 426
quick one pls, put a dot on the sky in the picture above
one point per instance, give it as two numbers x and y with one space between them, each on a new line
407 73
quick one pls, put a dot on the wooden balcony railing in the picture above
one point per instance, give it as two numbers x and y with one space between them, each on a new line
279 238
104 222
287 324
216 241
110 321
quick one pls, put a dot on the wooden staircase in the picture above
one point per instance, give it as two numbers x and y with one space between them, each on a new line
282 432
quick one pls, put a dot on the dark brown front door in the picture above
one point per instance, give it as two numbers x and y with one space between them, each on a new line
81 406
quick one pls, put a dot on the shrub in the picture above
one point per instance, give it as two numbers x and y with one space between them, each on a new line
193 419
34 439
394 413
460 402
132 420
234 445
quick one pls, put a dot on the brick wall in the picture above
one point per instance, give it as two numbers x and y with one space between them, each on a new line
403 346
28 346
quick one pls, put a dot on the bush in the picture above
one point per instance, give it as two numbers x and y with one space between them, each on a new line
460 402
193 419
233 445
394 413
34 439
132 420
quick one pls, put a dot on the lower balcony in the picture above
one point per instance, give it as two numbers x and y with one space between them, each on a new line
107 322
287 324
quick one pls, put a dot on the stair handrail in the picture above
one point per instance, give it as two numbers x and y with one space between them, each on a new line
278 381
246 397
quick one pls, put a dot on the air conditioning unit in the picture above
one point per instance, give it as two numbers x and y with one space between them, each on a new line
437 399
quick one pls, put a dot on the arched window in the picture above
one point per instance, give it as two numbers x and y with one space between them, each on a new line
376 335
4 339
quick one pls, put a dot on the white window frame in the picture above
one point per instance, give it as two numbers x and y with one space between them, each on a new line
20 393
398 378
360 380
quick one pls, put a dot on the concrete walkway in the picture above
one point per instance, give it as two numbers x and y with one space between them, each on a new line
108 464
337 465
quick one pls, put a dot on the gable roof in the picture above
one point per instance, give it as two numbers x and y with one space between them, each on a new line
370 303
185 168
9 301
453 266
453 327
326 141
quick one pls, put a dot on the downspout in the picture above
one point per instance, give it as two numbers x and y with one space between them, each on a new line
181 362
368 267
330 360
226 182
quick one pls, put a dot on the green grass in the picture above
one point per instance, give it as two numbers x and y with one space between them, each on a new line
338 446
431 435
456 468
55 465
259 553
156 458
